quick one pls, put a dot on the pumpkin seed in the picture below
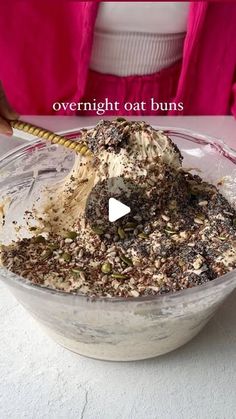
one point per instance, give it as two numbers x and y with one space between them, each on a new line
46 254
53 246
130 225
77 271
170 231
121 233
119 276
67 257
200 216
39 239
71 235
126 260
97 230
106 268
143 235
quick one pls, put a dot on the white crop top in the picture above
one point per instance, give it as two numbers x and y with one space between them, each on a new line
138 37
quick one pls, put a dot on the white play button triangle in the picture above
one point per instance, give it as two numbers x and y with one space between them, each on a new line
117 210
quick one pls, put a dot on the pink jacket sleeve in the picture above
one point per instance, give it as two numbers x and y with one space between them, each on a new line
233 107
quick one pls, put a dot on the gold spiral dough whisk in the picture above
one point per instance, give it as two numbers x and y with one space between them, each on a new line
77 147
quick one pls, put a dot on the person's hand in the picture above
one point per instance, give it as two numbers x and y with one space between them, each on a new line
6 113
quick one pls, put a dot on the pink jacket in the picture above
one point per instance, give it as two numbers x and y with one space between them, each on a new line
45 50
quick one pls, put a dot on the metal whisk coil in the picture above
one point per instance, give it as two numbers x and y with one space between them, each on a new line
78 147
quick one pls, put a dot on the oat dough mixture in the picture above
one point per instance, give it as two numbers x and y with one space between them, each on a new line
180 232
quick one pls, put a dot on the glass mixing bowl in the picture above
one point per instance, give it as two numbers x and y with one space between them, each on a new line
113 328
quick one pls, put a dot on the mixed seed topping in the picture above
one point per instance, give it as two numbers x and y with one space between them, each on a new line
181 233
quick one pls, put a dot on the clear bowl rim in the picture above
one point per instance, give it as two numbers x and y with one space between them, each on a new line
225 279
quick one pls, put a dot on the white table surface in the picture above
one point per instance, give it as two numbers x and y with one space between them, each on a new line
41 380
